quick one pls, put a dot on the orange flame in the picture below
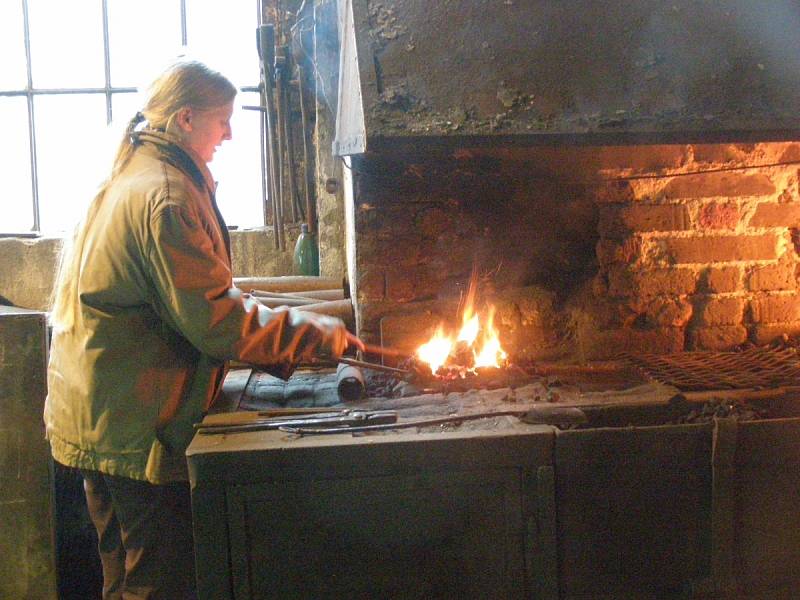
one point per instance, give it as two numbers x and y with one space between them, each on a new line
438 351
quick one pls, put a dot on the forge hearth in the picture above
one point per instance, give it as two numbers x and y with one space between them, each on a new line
584 252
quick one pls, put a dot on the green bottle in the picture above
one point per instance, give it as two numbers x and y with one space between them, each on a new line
306 254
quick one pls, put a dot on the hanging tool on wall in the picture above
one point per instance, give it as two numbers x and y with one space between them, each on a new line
311 213
266 55
284 66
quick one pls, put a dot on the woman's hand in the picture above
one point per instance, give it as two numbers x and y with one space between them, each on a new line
325 335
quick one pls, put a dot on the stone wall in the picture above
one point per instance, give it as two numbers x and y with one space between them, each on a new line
27 265
584 251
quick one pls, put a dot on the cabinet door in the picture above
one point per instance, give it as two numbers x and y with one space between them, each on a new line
432 535
634 510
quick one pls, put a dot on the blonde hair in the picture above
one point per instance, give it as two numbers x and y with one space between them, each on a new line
185 84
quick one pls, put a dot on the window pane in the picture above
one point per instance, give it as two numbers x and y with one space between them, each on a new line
12 46
66 44
140 47
74 149
237 168
16 205
224 34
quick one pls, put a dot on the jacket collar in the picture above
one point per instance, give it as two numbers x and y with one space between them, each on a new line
187 161
179 156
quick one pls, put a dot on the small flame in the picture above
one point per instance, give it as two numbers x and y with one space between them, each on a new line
436 350
470 328
491 354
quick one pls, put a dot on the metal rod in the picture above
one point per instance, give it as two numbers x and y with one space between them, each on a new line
278 131
311 213
107 62
383 350
368 365
266 45
31 119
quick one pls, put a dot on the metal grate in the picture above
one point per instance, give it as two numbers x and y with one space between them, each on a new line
695 371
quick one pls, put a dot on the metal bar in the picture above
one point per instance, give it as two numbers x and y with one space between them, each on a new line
107 62
402 424
265 200
278 131
368 365
56 91
31 119
287 132
311 218
266 45
184 33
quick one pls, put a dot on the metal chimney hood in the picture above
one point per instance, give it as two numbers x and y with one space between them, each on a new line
548 71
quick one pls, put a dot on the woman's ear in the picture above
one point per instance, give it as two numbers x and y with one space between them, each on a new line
184 119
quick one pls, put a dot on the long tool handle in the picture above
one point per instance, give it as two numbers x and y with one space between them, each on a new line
266 54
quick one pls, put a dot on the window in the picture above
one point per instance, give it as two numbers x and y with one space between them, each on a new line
69 82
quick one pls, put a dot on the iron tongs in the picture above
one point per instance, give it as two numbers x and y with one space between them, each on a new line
339 420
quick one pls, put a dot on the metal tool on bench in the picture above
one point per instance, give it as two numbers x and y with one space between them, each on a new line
336 419
562 416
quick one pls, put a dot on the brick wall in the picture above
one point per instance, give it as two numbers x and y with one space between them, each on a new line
583 250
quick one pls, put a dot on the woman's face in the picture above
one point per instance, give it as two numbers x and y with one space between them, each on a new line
205 130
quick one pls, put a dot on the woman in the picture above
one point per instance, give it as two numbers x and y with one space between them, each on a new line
144 317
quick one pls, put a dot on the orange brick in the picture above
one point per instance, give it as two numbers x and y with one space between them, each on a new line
776 309
771 214
718 280
727 248
720 311
717 338
765 334
655 217
611 343
719 185
780 276
719 216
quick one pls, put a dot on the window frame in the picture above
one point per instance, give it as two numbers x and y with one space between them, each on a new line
30 92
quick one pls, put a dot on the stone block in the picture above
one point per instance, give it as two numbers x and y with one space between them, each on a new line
644 218
646 159
725 248
719 216
401 286
765 334
406 330
434 222
615 192
722 153
371 285
720 280
717 338
624 251
719 185
780 276
783 308
611 343
669 312
669 281
773 214
720 310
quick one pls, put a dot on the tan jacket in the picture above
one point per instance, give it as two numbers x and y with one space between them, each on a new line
158 318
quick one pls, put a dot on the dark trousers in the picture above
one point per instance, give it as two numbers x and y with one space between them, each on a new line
145 537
